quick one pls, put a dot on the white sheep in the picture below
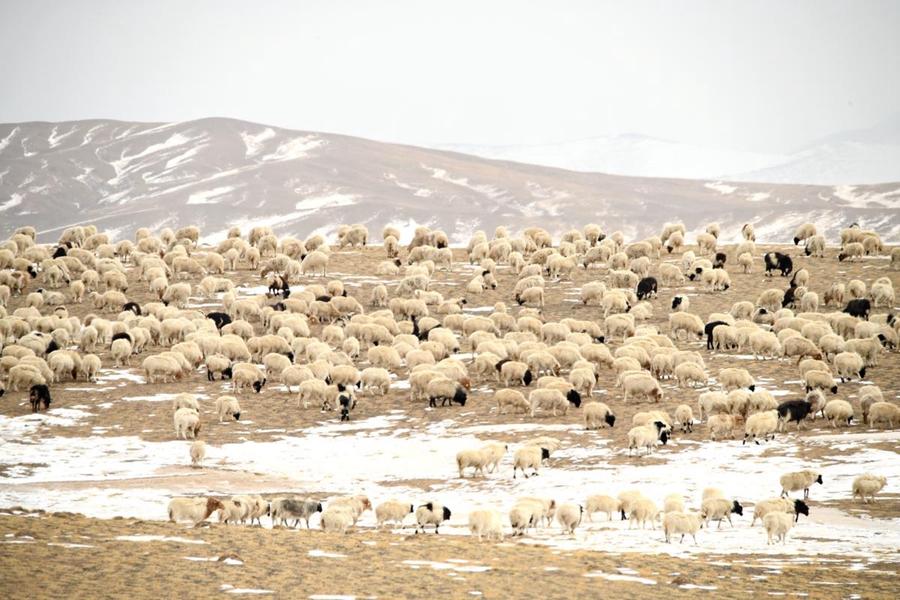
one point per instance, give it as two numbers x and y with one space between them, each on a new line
690 374
799 480
185 400
838 411
643 511
641 386
569 517
486 524
681 523
338 519
646 436
763 423
529 457
548 399
716 509
685 416
514 398
867 485
477 459
198 452
186 421
884 412
688 323
227 407
777 525
598 415
195 510
849 365
600 503
392 511
732 379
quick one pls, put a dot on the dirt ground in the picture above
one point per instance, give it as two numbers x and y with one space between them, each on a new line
36 563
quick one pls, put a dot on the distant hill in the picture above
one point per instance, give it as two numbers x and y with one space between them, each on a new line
218 172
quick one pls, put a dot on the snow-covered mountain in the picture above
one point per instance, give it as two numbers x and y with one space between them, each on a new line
865 156
216 173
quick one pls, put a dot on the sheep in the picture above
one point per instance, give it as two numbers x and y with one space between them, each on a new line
779 505
867 485
598 415
195 510
689 374
838 411
544 509
868 349
884 412
228 407
198 452
765 344
486 523
392 511
801 348
721 424
642 386
732 379
642 511
677 522
820 380
761 424
354 505
793 410
553 399
868 396
185 400
446 390
25 376
647 436
685 416
514 398
247 375
284 510
187 420
431 513
39 394
852 251
799 480
315 261
90 366
777 525
232 511
569 517
478 459
529 457
600 503
384 357
716 509
510 372
776 261
685 322
336 520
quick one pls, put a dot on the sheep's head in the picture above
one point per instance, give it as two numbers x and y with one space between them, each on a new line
446 514
610 419
545 454
527 378
801 508
737 509
257 386
819 480
574 398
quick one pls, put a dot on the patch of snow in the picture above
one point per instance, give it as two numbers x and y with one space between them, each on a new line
14 200
720 187
868 199
295 148
213 196
330 201
5 141
56 140
255 141
156 538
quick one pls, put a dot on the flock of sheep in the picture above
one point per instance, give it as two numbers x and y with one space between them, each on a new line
314 338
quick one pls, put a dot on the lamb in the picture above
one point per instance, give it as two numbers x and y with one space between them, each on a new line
478 459
867 485
677 522
777 525
187 421
685 415
228 407
286 509
598 415
198 452
486 523
884 412
600 503
647 436
569 517
514 398
838 411
195 510
716 509
799 480
39 394
431 513
779 505
859 307
761 424
529 457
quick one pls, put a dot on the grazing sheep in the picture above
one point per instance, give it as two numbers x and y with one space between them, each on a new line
477 459
600 503
722 424
232 511
777 525
868 396
529 457
884 412
598 415
514 398
688 323
647 436
820 380
187 420
867 485
227 407
446 390
643 511
793 411
569 517
642 386
431 513
392 511
763 424
849 365
338 519
838 411
716 509
690 374
776 261
681 523
486 523
799 480
198 452
732 379
782 505
685 416
39 394
195 510
185 400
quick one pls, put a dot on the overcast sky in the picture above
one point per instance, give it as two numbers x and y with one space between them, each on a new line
755 75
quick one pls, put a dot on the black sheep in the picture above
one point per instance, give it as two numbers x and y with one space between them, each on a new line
719 263
347 404
39 394
790 297
794 411
800 508
219 318
859 308
133 307
647 288
776 261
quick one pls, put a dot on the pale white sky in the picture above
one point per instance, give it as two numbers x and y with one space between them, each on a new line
761 75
